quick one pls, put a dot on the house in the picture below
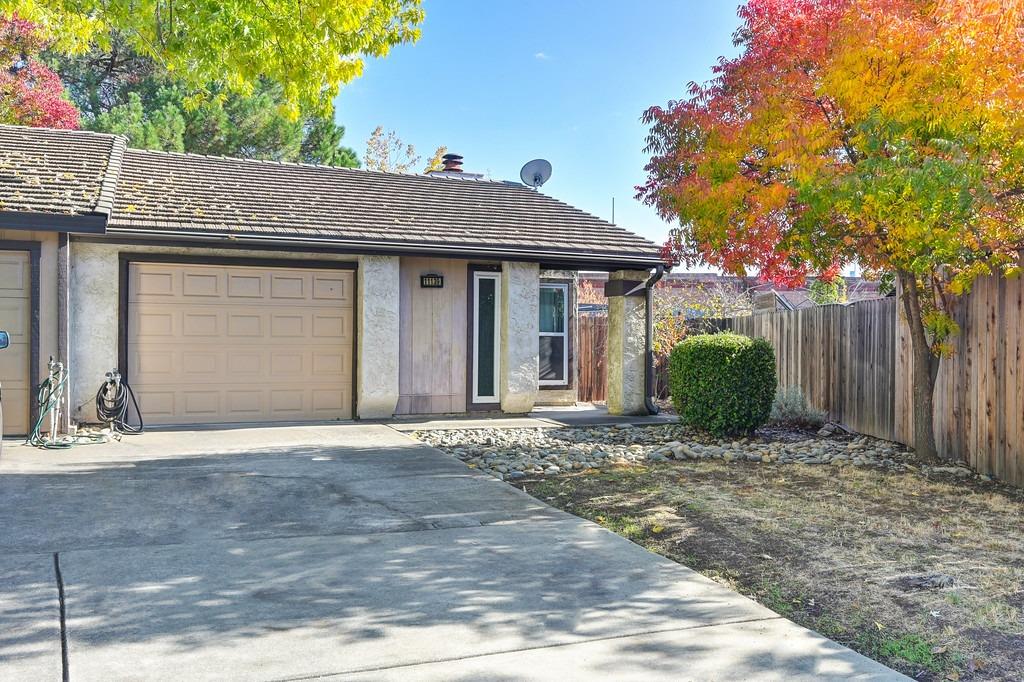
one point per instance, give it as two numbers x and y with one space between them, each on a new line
698 293
229 290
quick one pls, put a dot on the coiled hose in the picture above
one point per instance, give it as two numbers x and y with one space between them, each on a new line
112 407
48 398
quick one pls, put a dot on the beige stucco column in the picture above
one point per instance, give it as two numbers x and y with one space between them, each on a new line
520 324
93 318
625 348
378 329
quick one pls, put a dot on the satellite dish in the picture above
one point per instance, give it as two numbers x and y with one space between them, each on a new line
536 173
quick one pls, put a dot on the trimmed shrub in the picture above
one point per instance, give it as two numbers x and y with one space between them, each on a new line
723 383
791 408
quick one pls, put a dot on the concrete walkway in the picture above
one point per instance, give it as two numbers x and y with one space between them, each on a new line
347 551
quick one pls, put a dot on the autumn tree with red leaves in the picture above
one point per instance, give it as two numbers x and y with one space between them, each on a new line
30 92
886 132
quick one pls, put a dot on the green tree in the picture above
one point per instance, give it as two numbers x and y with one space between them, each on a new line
309 49
824 291
122 92
323 144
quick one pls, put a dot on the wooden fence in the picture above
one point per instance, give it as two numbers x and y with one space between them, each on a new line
842 357
979 394
855 362
593 371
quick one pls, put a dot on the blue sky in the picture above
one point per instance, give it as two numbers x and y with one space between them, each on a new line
566 80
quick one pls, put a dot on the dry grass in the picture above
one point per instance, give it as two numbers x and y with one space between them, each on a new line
837 550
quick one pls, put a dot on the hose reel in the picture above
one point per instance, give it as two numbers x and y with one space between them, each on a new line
112 404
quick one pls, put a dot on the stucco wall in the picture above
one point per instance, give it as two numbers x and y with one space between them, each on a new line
520 301
626 337
378 336
94 309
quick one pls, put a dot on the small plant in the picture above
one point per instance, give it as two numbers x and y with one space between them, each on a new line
722 383
912 649
790 408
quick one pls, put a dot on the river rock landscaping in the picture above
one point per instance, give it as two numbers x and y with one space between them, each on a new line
513 454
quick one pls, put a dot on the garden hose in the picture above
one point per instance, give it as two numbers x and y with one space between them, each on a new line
112 405
48 398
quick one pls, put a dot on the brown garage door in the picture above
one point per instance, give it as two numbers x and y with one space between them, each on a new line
215 343
15 310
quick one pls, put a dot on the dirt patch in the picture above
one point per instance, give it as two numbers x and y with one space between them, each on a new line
924 575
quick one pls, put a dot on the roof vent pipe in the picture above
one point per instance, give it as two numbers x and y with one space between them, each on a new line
452 163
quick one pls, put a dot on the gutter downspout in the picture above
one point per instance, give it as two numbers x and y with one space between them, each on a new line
652 408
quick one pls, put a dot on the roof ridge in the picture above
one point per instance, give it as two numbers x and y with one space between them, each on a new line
111 175
64 131
324 166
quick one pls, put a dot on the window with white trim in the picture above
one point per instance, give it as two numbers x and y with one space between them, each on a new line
554 334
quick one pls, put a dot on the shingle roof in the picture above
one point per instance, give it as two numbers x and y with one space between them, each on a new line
57 171
161 192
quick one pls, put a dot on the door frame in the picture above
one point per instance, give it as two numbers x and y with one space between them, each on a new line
471 338
34 249
125 259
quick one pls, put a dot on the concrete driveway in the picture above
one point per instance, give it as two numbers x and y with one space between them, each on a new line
347 552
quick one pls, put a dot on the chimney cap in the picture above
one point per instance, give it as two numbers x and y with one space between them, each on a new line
452 163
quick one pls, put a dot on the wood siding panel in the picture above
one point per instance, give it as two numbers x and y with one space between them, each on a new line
432 338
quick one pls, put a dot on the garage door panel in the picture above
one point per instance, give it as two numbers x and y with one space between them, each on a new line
242 363
14 275
333 288
15 316
205 323
220 284
245 325
158 324
197 324
164 364
246 285
203 284
214 344
287 326
13 365
153 284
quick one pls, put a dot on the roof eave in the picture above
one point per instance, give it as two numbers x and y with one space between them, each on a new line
89 223
550 257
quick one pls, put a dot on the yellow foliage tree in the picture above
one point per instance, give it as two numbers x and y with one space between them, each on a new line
310 48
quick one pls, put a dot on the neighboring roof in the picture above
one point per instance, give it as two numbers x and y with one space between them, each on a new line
168 194
62 172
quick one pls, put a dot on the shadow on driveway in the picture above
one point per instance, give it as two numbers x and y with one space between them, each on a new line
392 562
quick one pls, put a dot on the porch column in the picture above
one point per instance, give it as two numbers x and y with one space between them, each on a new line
377 337
520 336
625 346
94 283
